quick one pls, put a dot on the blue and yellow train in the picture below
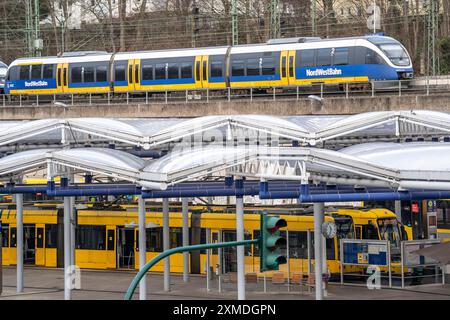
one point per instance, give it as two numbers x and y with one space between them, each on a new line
277 63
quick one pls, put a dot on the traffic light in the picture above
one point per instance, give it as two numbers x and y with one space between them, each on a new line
270 242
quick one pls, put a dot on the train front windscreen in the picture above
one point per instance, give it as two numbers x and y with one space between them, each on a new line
393 50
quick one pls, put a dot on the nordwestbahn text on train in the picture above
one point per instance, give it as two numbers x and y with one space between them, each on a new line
278 63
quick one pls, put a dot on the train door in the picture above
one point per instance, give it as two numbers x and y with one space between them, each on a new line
40 245
29 244
62 77
291 68
198 72
125 248
205 72
111 247
229 253
284 68
133 75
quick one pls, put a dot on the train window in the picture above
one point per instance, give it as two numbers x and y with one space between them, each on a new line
216 69
5 235
51 234
324 57
173 71
101 73
76 74
341 56
370 231
237 69
253 67
24 72
373 58
186 70
160 71
268 66
283 67
90 237
197 71
88 74
120 73
176 237
307 58
154 240
147 72
47 72
291 66
205 70
36 71
14 73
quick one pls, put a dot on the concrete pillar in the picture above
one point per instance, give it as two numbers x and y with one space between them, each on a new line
67 250
19 241
166 244
72 231
208 262
318 221
398 210
142 247
185 232
240 249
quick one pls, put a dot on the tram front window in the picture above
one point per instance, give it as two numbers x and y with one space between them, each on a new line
344 227
389 230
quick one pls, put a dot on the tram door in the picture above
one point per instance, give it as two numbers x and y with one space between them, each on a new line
229 253
29 244
40 245
125 248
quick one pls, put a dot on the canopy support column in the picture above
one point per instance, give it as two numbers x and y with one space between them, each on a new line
67 250
185 232
19 241
142 247
72 231
240 249
318 221
398 210
166 244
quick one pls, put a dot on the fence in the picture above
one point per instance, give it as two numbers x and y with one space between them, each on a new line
425 86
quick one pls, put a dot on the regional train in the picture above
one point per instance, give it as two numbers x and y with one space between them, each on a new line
109 239
277 63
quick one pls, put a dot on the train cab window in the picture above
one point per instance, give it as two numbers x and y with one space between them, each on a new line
101 73
90 237
51 234
36 71
373 58
268 66
5 235
154 240
186 70
147 72
253 67
238 69
160 71
307 58
88 74
120 73
14 73
24 72
173 71
216 69
341 56
324 57
76 74
47 72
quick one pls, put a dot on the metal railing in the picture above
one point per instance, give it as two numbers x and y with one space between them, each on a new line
420 86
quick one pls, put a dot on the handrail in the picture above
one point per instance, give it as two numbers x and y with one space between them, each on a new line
169 252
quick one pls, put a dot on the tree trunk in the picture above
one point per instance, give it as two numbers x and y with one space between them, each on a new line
122 16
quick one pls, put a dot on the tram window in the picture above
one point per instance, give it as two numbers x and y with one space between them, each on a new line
5 235
36 71
253 67
298 244
90 237
173 71
176 237
110 240
24 72
341 56
147 72
324 57
216 69
268 66
39 237
101 73
119 73
369 231
88 74
47 72
51 234
154 240
237 69
186 70
13 241
76 74
307 58
160 71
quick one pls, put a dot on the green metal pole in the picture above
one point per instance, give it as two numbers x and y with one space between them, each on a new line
169 252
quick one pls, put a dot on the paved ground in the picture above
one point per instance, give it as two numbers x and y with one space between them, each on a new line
44 284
